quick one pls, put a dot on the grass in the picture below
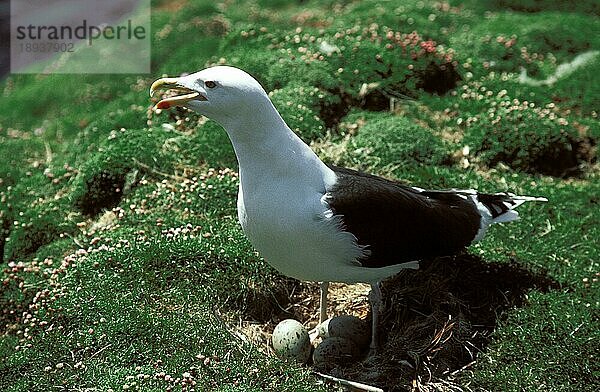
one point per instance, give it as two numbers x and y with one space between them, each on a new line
120 252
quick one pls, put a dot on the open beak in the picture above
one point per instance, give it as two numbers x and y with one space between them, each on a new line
185 94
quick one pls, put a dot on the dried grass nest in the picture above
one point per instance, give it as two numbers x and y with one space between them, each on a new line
434 321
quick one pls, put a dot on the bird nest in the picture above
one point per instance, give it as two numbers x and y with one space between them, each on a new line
433 323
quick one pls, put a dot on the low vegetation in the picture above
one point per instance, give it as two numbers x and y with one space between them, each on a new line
121 260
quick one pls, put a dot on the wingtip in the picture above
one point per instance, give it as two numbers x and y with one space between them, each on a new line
529 198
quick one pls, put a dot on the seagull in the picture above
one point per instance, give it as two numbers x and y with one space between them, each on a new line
323 223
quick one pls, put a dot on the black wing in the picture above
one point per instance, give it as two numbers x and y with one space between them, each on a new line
398 223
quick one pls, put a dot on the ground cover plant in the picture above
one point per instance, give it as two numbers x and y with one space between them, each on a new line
122 263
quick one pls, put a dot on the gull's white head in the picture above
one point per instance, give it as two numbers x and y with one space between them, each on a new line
225 94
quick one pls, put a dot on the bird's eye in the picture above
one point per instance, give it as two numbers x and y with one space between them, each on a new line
210 84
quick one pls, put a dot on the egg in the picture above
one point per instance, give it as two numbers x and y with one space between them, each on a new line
291 341
347 327
335 350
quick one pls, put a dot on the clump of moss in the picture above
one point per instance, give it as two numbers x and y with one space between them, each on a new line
538 43
392 61
33 213
359 63
527 137
269 57
18 151
393 141
207 144
122 157
301 106
580 90
16 148
37 225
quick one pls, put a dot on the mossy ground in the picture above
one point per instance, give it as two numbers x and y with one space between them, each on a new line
119 245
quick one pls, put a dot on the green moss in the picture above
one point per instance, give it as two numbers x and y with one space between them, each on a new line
394 141
37 226
507 42
18 154
566 363
392 62
58 97
208 145
525 137
104 176
301 106
580 90
32 217
127 289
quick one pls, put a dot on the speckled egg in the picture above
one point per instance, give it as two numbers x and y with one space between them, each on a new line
291 341
335 350
347 327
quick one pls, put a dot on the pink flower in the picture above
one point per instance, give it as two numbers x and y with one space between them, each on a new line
510 42
429 46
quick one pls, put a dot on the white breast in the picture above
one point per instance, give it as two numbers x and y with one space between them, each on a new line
293 229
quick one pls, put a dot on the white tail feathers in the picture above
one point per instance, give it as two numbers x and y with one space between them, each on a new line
508 216
511 215
523 199
410 265
499 208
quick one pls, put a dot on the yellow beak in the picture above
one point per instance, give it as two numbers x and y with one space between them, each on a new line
173 84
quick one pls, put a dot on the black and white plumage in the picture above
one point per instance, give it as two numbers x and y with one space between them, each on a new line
324 223
398 223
